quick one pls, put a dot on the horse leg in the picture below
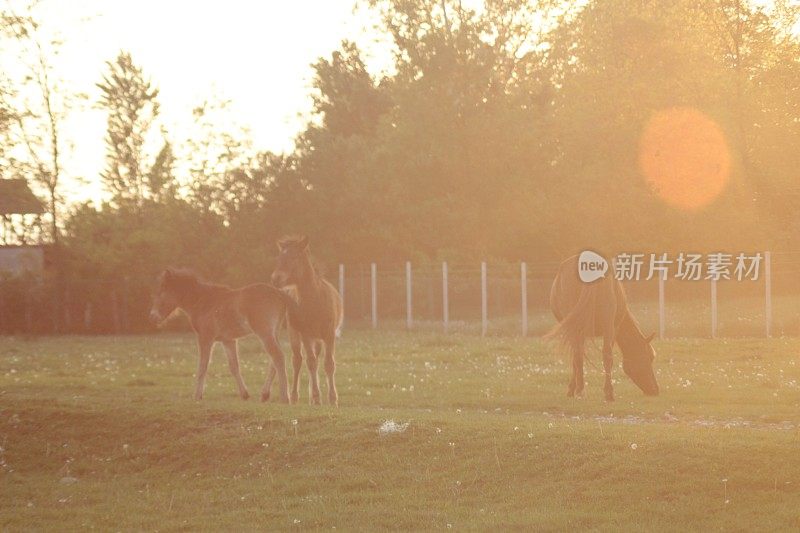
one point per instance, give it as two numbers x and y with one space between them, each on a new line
265 391
312 362
330 369
577 370
297 363
204 346
571 387
608 363
278 365
233 364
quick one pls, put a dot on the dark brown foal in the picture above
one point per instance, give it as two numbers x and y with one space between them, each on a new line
221 314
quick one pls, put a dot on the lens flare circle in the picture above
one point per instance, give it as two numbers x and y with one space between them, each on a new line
684 156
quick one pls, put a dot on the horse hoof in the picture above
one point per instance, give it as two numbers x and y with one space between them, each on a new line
245 395
294 398
265 396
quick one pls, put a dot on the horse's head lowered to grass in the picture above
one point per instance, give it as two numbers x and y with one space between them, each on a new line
598 308
638 355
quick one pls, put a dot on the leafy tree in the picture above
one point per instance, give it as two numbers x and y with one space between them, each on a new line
494 134
452 141
216 150
160 177
131 173
324 188
615 63
33 110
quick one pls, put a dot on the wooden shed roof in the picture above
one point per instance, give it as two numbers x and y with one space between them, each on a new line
16 198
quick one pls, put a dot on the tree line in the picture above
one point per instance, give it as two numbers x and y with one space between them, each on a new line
509 131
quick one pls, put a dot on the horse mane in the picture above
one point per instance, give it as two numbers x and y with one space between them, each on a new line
182 275
629 334
185 280
288 240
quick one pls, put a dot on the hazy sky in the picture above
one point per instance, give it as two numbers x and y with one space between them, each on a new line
255 53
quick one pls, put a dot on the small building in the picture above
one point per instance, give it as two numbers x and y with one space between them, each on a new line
21 233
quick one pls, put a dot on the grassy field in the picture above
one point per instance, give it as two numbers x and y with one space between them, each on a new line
102 432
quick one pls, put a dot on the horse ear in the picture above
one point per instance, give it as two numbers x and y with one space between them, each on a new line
304 243
168 272
650 338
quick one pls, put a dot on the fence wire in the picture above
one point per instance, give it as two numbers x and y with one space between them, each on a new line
31 306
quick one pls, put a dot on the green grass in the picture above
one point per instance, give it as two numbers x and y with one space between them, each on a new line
492 441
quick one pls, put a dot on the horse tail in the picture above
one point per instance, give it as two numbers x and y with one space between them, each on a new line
338 332
338 308
578 324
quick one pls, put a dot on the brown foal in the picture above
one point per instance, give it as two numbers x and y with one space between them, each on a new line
221 314
317 319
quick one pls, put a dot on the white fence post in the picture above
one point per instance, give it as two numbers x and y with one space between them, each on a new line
445 299
374 283
713 308
523 279
409 318
341 290
661 318
484 306
768 292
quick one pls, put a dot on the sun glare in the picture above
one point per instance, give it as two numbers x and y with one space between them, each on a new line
684 156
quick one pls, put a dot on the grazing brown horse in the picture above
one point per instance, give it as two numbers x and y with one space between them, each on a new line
318 317
596 309
221 314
